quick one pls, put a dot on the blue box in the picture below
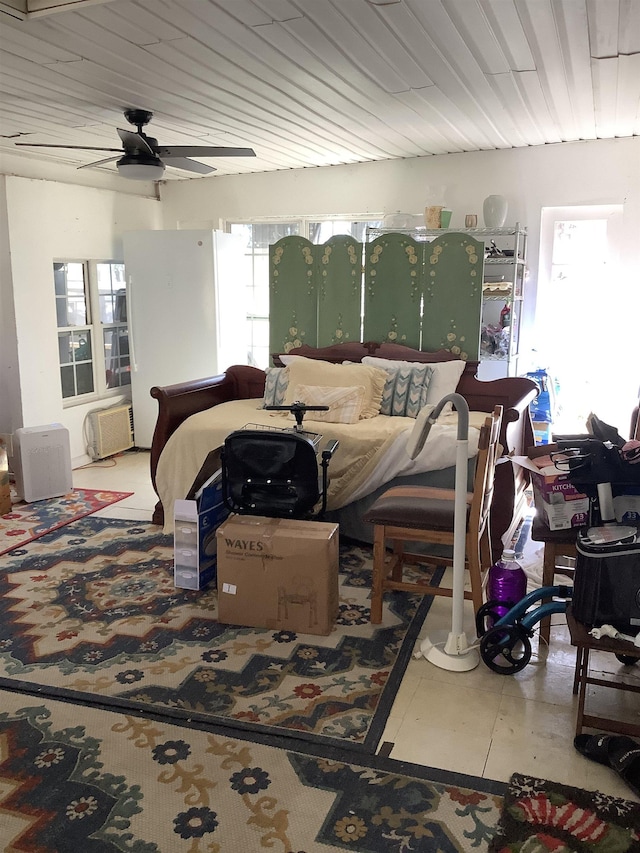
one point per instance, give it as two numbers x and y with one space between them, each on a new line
195 544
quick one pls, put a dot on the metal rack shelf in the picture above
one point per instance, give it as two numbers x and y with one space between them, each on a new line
423 233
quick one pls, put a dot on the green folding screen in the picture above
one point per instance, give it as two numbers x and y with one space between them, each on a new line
426 295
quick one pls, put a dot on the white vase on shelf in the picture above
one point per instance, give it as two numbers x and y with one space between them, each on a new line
494 211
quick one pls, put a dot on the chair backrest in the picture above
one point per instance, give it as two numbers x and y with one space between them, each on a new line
269 472
489 451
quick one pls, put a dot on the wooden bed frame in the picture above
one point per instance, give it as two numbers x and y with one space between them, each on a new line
178 402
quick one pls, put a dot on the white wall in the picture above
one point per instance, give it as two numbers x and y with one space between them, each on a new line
9 379
577 173
47 220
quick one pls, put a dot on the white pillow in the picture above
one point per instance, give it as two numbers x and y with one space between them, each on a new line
388 363
444 380
311 371
345 404
287 359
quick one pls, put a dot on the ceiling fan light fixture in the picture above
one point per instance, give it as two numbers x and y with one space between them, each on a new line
140 167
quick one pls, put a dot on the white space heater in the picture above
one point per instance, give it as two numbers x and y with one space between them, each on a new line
111 431
42 462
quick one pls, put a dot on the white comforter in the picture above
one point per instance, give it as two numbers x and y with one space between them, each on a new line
371 451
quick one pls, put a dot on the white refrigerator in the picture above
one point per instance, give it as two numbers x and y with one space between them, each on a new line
186 312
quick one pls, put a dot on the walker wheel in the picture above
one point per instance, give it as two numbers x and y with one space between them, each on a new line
506 649
627 660
488 615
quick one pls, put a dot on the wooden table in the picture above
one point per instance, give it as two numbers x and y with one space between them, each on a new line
584 643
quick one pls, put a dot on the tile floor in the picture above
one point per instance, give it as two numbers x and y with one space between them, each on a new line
475 722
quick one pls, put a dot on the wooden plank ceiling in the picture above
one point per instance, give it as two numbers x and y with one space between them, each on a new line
317 82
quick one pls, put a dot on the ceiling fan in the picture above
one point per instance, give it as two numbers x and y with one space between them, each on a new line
139 158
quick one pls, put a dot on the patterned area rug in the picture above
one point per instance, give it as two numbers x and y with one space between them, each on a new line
540 816
76 778
29 521
90 613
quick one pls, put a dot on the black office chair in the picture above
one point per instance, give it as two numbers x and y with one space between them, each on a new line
275 472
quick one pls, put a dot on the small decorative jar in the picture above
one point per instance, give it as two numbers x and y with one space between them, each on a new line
494 211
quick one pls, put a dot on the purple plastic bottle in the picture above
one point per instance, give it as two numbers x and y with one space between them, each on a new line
507 581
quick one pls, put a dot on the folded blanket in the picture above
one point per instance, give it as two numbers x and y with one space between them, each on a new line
371 452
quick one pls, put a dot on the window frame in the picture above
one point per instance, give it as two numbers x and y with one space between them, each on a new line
96 328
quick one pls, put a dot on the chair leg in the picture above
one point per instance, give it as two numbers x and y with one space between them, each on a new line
486 553
548 574
475 572
398 552
379 560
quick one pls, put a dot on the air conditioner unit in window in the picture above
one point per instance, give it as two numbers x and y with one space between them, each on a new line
111 431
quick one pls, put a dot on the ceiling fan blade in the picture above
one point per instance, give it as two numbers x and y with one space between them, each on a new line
188 165
134 140
203 151
99 162
78 147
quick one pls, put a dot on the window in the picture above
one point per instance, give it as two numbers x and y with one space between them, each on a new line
585 322
258 237
112 300
91 315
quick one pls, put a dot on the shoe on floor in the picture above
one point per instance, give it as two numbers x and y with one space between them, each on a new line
595 747
619 752
624 758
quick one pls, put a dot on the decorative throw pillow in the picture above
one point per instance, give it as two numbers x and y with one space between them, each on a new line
310 371
443 380
345 404
406 388
275 386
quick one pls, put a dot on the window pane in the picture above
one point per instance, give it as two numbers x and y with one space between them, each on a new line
116 348
60 279
106 307
320 232
84 378
61 311
113 310
71 300
120 304
67 380
261 333
64 347
103 272
111 292
82 345
76 294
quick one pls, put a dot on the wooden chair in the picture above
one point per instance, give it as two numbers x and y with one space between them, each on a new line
426 515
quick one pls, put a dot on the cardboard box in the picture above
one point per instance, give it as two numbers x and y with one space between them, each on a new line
278 573
557 500
542 432
194 538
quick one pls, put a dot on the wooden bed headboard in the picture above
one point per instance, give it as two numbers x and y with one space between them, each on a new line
353 351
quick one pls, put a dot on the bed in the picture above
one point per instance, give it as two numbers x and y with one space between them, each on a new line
194 417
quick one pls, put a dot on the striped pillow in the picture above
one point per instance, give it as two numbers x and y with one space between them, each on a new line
275 386
405 391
